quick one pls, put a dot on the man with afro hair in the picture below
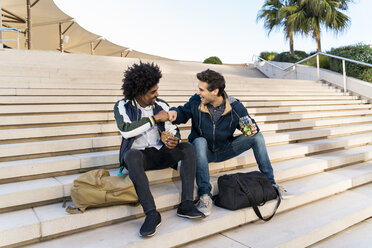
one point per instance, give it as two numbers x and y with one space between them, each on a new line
141 118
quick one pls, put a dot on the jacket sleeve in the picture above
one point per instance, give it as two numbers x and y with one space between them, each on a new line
127 128
168 125
184 112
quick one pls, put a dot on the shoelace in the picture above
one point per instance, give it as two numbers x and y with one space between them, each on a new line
203 203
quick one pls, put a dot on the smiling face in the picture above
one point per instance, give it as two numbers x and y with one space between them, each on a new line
149 97
207 96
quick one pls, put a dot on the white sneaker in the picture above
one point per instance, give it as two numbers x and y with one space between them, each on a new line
283 193
205 204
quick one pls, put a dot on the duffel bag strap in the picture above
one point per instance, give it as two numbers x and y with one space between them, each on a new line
73 210
254 204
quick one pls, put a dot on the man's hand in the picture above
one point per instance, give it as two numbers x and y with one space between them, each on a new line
172 115
162 116
171 142
254 129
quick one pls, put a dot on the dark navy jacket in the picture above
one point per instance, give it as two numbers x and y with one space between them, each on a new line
217 134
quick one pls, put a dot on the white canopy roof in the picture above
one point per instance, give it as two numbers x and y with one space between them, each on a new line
46 21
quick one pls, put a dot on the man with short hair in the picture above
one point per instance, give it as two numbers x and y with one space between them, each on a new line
141 117
215 117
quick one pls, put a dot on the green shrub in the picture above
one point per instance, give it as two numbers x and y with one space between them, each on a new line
358 52
323 62
268 55
292 58
367 75
213 60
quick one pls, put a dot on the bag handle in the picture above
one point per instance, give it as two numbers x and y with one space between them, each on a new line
73 210
254 204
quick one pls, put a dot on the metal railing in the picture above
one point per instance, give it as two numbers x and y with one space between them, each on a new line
317 64
2 30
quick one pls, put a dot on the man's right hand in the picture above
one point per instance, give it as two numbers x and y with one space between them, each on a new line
162 116
172 115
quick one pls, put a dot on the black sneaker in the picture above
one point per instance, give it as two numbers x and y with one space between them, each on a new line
152 221
187 209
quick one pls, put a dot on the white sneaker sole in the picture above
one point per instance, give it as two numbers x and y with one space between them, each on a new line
150 235
189 217
206 213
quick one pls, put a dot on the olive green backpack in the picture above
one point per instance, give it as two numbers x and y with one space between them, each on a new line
97 188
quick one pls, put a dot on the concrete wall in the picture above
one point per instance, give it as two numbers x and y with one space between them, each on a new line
304 72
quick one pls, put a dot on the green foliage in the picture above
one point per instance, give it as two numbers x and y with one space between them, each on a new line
367 75
323 61
310 16
292 58
213 60
274 17
268 55
358 52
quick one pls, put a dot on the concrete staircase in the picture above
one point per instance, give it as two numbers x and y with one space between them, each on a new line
56 122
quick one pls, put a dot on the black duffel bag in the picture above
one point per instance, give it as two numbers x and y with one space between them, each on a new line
242 190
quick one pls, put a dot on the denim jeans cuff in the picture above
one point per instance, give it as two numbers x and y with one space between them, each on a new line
200 193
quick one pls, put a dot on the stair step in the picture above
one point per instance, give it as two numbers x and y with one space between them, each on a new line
267 110
40 147
358 235
78 85
37 132
302 116
177 231
33 191
301 103
109 116
248 101
29 167
117 92
305 225
56 118
57 108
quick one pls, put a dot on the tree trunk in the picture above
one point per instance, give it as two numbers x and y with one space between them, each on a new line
29 25
317 38
291 47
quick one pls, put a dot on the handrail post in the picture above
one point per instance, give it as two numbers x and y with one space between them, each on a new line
344 73
17 39
317 67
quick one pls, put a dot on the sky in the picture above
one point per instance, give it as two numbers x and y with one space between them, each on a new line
193 30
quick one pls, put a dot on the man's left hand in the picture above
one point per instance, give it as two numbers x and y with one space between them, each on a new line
254 129
171 142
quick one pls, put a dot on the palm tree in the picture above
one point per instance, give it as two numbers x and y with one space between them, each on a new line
273 16
311 15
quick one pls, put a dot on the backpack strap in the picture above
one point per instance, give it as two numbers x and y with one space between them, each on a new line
254 204
72 210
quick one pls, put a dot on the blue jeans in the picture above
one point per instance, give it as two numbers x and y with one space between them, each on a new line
238 145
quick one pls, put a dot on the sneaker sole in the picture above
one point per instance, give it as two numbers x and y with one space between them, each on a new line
190 217
152 234
205 213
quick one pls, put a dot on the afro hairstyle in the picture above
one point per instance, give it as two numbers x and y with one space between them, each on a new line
140 78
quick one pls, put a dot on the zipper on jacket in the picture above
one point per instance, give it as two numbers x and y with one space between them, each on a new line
214 129
214 134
